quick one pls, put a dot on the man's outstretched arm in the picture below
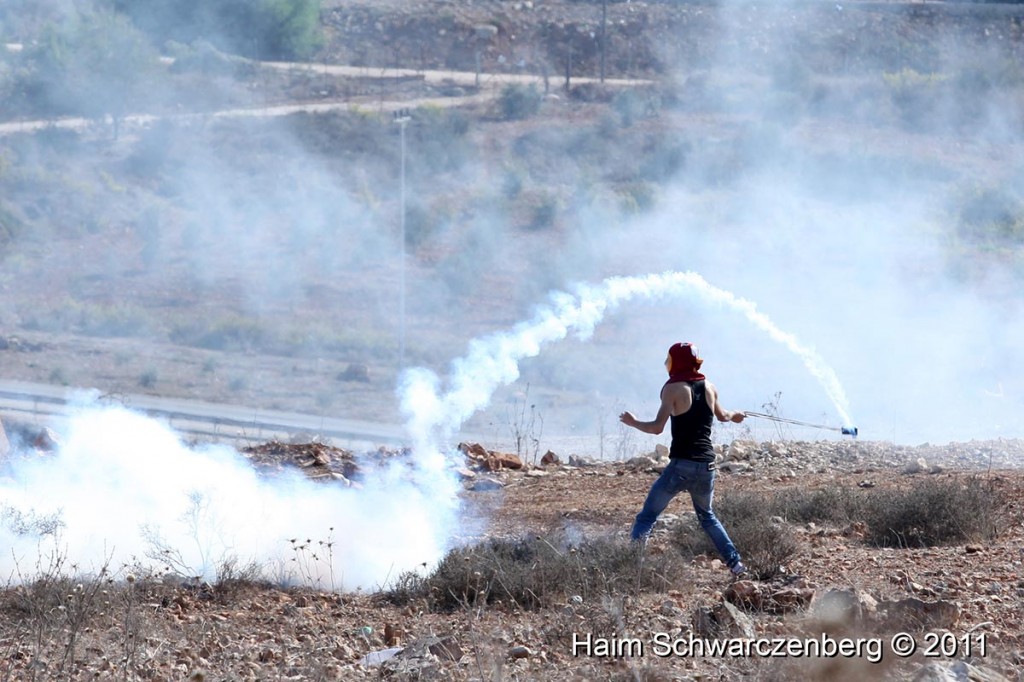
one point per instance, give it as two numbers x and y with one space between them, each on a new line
668 396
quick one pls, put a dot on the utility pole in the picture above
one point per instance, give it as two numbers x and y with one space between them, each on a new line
402 117
604 33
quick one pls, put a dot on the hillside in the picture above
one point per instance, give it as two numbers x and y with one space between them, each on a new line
440 217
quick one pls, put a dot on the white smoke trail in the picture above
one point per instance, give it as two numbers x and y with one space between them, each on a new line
123 485
493 361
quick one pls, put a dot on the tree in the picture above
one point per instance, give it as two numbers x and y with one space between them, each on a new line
263 29
92 64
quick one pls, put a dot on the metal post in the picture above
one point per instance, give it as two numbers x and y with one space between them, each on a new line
402 118
604 33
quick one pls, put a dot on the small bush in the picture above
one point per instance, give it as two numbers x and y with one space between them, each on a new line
990 217
534 572
636 197
833 504
766 546
544 213
934 512
517 102
232 333
916 95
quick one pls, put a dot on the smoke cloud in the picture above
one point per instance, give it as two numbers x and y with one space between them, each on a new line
838 209
124 492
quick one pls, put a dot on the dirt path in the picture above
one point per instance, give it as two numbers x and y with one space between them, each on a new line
490 85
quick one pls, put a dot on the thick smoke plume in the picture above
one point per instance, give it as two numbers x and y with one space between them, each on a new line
124 492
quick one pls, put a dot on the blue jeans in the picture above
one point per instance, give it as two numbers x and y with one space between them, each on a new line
696 479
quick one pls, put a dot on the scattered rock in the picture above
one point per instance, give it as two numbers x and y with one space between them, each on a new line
393 634
485 31
641 463
375 658
746 594
317 461
789 599
550 459
741 450
490 460
580 462
735 467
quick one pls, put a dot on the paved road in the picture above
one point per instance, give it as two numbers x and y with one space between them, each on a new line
42 403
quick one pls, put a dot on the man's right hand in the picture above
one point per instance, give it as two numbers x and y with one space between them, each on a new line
628 419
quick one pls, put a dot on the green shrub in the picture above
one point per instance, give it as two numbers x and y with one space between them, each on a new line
990 217
933 512
265 29
93 64
232 333
534 572
832 504
636 197
915 95
517 102
148 378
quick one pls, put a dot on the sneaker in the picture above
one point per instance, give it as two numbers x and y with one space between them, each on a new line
738 569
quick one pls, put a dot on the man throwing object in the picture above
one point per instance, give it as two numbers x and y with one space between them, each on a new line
691 402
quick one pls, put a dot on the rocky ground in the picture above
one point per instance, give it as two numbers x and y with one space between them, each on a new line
958 604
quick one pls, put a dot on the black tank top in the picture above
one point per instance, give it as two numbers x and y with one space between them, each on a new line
691 430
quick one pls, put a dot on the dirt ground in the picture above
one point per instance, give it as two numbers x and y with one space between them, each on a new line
246 629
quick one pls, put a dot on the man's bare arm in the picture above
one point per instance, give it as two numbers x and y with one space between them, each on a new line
671 395
721 413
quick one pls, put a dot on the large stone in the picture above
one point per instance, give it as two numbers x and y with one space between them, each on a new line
722 621
916 614
845 607
741 449
485 31
918 466
746 594
485 485
789 599
490 459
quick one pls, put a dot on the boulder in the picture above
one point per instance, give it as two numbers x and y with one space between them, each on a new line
845 607
916 614
741 450
722 621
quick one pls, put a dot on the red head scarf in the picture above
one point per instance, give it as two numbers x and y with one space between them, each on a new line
684 363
